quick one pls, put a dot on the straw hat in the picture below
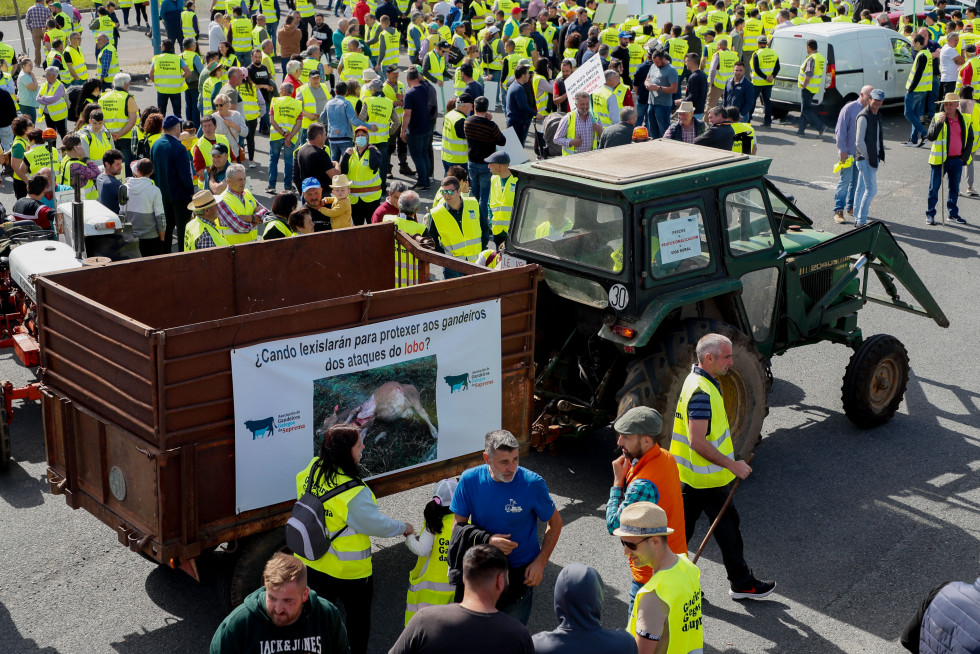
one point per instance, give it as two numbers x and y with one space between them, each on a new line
685 107
949 97
339 181
643 519
202 200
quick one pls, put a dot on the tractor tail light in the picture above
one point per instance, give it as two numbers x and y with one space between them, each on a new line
625 332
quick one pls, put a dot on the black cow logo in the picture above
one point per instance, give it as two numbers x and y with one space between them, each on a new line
458 382
261 428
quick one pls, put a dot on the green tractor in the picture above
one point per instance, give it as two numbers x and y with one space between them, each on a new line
648 247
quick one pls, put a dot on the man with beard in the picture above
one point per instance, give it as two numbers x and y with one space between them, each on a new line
645 473
284 613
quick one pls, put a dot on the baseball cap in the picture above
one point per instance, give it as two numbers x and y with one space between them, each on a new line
393 68
465 98
515 11
219 148
171 121
877 94
361 128
311 182
625 34
443 494
442 44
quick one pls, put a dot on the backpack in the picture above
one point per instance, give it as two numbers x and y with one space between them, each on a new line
73 93
306 531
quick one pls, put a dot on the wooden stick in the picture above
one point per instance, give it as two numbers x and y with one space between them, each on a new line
724 506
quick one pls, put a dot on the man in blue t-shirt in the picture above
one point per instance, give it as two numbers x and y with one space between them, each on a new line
507 501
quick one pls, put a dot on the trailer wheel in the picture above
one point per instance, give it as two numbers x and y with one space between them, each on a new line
246 572
4 439
656 381
875 381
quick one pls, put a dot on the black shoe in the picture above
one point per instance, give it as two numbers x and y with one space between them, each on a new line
957 220
755 590
405 170
922 141
910 144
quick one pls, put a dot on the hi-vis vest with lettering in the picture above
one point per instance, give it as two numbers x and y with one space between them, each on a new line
925 82
453 144
349 556
465 242
726 67
679 587
428 582
501 202
693 469
168 74
816 80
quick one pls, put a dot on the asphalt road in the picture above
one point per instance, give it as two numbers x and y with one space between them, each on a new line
855 526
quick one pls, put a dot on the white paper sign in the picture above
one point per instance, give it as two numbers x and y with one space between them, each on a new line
672 12
679 239
443 93
490 93
415 386
910 7
588 77
513 147
603 14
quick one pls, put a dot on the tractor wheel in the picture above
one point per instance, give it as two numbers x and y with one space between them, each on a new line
656 381
875 381
4 438
246 573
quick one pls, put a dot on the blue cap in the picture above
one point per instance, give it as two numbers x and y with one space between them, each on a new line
499 157
171 121
625 34
310 182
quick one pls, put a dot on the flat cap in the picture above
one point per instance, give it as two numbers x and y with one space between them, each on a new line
500 157
639 420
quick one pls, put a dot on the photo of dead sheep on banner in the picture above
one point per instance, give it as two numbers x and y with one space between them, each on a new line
394 407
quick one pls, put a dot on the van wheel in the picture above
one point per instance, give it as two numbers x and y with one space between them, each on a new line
779 112
246 572
656 380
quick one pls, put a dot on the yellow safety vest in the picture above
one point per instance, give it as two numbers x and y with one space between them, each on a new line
58 110
7 54
305 8
39 157
522 45
168 77
463 242
925 82
189 57
241 35
570 134
694 469
349 555
187 24
940 147
453 144
609 36
738 128
250 100
480 9
259 35
306 96
546 229
269 11
113 106
55 34
766 59
370 31
392 94
354 64
414 29
816 81
273 226
600 105
98 144
195 228
379 111
27 146
406 265
498 61
207 89
104 26
205 146
751 34
365 184
677 49
437 65
309 65
428 582
77 64
726 67
679 587
113 63
63 74
637 55
391 40
244 206
285 112
541 97
89 191
511 60
501 202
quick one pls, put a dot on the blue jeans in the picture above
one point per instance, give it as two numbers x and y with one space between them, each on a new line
953 169
337 148
417 146
270 27
643 115
867 188
173 98
661 120
808 114
479 174
844 195
914 104
521 609
521 129
275 149
193 107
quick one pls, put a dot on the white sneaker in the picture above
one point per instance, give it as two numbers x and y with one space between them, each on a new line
252 164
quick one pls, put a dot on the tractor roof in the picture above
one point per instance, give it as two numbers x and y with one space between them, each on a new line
653 168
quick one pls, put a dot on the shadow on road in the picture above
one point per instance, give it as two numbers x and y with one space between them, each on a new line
20 490
14 642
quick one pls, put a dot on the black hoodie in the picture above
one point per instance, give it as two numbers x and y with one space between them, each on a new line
248 629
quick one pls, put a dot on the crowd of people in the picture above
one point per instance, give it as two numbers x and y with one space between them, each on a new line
346 98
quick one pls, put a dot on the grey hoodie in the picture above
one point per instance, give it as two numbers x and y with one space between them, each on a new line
145 208
579 595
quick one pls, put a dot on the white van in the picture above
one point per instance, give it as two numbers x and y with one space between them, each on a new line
856 55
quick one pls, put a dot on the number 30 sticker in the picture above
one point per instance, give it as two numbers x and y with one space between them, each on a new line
619 297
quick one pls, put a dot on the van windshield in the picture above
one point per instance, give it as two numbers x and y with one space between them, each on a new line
574 229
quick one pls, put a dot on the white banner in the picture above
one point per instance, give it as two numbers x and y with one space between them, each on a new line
513 147
673 12
588 78
421 388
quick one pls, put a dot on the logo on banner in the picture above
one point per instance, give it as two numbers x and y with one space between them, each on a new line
266 427
458 382
261 428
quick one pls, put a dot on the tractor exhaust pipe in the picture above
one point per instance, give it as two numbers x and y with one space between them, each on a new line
78 218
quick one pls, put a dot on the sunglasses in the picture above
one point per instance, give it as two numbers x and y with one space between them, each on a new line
632 546
219 105
447 191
